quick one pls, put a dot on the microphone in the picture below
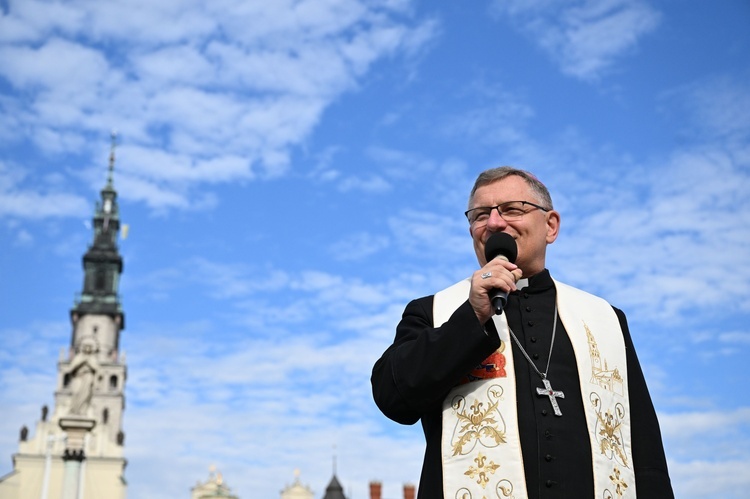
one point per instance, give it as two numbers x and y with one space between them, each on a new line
500 245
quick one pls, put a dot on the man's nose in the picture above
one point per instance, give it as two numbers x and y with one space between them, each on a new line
496 223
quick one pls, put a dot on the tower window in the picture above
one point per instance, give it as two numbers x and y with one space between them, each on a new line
105 415
99 280
66 380
113 382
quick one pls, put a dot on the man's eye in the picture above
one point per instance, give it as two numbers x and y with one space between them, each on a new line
513 212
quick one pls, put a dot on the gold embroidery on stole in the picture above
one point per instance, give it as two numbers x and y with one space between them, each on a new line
608 413
478 418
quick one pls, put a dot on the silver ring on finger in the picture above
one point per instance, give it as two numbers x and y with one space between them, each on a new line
486 275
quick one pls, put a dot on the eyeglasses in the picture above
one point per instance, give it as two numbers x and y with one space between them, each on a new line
510 211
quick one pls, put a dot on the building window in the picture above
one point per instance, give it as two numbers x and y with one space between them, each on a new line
113 382
99 280
105 416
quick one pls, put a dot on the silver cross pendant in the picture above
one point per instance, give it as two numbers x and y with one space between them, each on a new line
552 394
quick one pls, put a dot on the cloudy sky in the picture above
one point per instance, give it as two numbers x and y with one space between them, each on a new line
294 172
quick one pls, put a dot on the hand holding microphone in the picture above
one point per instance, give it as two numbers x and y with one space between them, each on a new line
499 251
501 246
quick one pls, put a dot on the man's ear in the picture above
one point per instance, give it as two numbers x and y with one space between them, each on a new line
553 226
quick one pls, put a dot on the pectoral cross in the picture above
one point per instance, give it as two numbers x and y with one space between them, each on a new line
552 394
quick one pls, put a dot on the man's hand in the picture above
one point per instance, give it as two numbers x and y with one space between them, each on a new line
497 274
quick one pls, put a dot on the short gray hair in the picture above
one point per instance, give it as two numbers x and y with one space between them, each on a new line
494 174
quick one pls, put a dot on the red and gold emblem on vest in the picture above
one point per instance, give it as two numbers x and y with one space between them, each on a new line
491 367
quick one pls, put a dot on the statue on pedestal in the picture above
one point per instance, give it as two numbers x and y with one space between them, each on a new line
83 369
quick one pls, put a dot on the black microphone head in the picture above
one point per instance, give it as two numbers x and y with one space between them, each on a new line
501 243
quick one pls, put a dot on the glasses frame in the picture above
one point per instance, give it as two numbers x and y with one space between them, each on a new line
467 213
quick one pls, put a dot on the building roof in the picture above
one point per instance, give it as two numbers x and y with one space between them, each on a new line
334 490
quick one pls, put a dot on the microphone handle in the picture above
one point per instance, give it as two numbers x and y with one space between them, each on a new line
498 297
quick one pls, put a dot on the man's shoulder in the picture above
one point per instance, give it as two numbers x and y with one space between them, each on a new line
461 288
577 291
578 296
456 293
424 301
420 306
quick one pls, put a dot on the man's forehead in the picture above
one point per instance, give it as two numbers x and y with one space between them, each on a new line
503 190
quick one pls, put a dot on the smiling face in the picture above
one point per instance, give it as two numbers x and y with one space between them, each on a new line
532 232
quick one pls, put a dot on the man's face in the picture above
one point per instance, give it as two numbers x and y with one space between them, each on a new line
533 232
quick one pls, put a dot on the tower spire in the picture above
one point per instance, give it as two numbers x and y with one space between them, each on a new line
102 263
113 145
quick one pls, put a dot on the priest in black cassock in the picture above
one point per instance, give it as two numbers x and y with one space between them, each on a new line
544 400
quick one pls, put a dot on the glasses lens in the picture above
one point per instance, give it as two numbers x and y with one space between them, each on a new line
479 215
512 211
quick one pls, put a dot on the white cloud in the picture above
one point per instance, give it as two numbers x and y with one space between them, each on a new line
699 479
160 166
359 246
659 251
716 107
584 37
202 93
735 338
370 183
401 165
714 423
155 196
708 450
500 119
24 238
40 68
27 204
432 236
19 201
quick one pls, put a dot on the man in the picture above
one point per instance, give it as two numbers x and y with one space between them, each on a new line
547 399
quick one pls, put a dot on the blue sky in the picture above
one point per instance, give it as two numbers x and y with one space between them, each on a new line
294 172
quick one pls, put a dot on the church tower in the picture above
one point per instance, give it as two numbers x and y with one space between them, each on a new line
76 451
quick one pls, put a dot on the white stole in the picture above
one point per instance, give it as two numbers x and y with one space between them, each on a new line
481 448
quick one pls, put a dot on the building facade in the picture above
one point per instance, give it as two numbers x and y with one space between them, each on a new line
297 490
213 488
76 450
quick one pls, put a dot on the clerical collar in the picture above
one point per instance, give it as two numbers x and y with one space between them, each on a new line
537 282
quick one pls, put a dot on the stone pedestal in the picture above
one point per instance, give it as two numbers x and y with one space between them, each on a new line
76 429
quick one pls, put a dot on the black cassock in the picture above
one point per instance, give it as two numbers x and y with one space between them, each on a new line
423 364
